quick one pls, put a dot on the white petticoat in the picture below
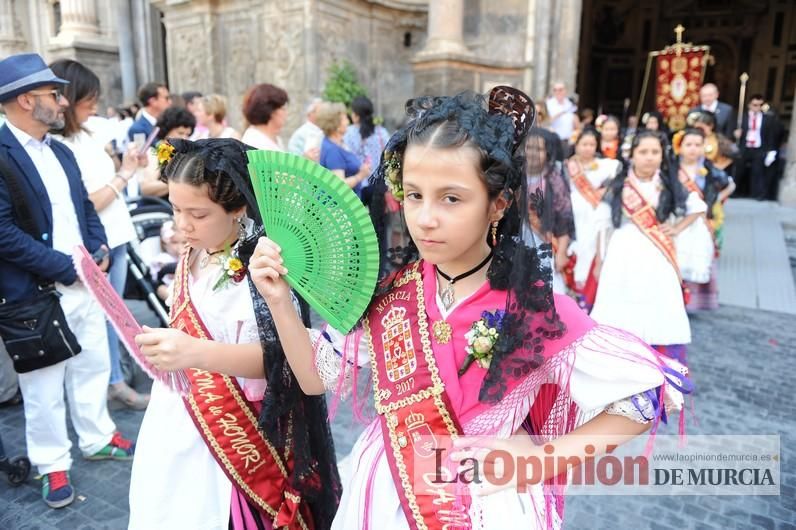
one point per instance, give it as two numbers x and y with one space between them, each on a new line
639 290
695 252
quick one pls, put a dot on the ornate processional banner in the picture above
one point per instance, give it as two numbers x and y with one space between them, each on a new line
679 71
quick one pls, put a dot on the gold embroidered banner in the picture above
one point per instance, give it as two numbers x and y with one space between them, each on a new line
679 72
678 77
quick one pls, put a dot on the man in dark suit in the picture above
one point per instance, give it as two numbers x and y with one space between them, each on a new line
709 100
759 140
63 216
155 98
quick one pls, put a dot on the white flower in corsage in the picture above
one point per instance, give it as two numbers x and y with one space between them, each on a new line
481 340
232 270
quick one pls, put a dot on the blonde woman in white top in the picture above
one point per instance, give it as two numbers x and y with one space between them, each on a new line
211 113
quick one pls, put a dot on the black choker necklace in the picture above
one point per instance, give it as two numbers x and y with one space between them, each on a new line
205 260
448 298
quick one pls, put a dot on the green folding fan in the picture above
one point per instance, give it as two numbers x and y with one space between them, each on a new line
328 242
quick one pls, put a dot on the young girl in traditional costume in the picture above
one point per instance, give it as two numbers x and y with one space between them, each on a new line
203 461
552 220
640 284
589 176
698 245
472 265
609 128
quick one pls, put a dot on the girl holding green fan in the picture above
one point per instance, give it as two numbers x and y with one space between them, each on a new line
466 342
205 461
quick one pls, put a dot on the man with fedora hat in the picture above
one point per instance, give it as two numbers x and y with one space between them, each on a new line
36 252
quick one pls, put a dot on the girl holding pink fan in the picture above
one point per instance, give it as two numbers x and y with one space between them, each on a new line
466 338
204 459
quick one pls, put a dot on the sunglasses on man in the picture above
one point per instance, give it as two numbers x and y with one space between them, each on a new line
56 93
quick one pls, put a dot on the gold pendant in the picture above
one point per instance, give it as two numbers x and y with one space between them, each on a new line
442 331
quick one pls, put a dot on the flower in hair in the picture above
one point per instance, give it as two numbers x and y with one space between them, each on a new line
392 174
677 141
598 123
165 153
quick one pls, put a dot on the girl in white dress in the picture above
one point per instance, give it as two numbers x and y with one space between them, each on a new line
202 461
694 244
456 169
698 245
587 195
640 287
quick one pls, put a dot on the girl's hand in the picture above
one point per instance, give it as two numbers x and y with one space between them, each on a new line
266 270
669 230
491 454
169 349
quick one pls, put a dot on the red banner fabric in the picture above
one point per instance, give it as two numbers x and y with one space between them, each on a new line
678 78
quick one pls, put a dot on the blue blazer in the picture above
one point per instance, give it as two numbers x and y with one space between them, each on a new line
141 125
23 257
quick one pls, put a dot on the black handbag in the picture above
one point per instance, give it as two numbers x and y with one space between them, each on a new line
34 330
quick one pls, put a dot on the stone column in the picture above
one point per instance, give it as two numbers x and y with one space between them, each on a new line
10 40
445 28
79 17
540 15
566 43
126 49
787 188
6 20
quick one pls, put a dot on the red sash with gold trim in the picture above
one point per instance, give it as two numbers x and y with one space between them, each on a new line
689 183
227 422
644 217
692 186
581 182
413 408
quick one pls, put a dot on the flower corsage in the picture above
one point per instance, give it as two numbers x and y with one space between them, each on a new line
232 270
481 340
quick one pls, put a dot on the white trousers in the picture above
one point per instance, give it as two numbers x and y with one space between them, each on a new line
85 378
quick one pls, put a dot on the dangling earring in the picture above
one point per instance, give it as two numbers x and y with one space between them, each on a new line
241 229
494 233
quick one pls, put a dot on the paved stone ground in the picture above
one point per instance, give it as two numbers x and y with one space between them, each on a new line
743 364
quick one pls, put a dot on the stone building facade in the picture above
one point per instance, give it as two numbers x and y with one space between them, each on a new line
400 48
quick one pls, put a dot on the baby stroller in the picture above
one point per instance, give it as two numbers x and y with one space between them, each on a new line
16 469
148 215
